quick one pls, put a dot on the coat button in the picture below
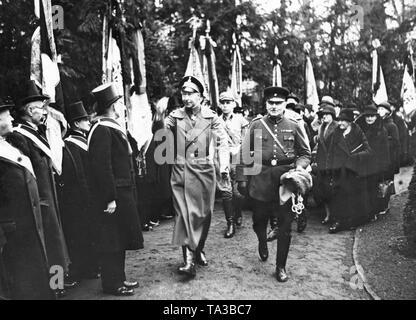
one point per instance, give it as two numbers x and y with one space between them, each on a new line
19 159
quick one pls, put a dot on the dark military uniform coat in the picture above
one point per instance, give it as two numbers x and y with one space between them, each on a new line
270 161
112 178
24 273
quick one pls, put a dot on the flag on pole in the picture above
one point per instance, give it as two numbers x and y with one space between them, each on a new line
44 71
237 73
408 92
379 86
311 92
140 114
277 73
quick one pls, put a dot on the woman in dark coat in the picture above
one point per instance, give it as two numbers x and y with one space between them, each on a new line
321 189
347 149
375 166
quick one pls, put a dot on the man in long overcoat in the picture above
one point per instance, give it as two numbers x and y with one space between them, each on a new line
197 131
78 219
24 270
114 192
28 138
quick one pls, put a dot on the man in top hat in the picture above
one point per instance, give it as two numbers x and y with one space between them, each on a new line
235 126
75 201
384 110
29 138
199 134
113 189
24 270
282 145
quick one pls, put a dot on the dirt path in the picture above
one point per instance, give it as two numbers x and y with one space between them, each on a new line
318 267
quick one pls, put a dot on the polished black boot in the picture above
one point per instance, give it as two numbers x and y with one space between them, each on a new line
283 244
229 215
237 212
273 233
200 258
189 268
263 251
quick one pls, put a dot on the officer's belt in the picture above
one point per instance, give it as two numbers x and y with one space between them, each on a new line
275 162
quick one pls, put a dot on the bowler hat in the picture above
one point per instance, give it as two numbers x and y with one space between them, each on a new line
192 82
32 93
105 95
276 92
76 111
370 110
6 104
347 115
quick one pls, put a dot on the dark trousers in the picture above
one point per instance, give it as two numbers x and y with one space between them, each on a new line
112 270
263 211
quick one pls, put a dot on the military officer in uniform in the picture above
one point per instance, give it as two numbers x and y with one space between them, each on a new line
198 134
235 126
278 144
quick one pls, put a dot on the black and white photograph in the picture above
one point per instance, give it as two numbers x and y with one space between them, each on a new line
207 155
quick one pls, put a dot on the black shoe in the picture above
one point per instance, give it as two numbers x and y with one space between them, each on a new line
272 235
335 227
230 230
166 216
281 275
325 221
147 227
188 270
239 221
263 251
154 223
131 284
122 291
201 259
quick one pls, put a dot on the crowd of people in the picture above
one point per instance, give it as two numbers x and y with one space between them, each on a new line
340 159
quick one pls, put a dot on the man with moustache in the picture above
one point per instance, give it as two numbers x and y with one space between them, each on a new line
282 145
75 200
24 272
28 137
198 134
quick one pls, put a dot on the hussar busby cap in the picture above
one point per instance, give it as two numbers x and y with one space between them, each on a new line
76 111
276 92
6 104
193 83
346 115
105 96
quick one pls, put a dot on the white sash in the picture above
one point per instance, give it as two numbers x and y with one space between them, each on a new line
34 139
83 145
109 124
10 153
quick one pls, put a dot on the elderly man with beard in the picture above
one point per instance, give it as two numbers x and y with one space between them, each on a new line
278 145
198 134
24 272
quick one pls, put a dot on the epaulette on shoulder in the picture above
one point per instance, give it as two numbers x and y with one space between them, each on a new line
178 113
258 117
